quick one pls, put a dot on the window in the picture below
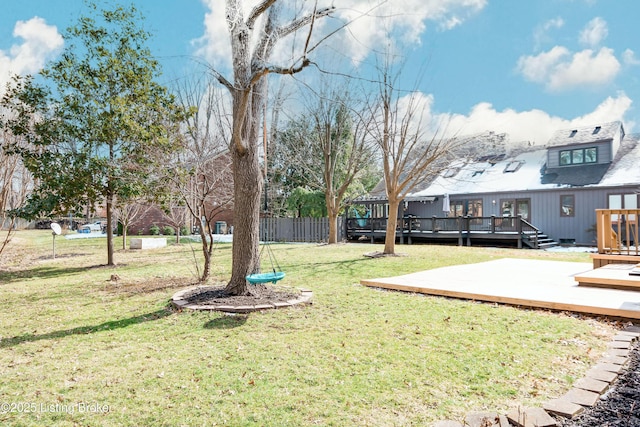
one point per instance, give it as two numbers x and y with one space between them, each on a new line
379 210
590 155
474 208
512 167
508 208
457 208
466 207
623 201
517 207
567 205
578 156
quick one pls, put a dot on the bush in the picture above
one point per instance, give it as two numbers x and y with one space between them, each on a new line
154 230
167 230
184 231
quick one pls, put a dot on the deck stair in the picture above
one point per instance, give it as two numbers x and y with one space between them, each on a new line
617 263
616 276
538 241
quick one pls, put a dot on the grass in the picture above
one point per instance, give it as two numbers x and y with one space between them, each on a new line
79 349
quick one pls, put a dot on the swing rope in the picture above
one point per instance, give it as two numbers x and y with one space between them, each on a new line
272 258
273 277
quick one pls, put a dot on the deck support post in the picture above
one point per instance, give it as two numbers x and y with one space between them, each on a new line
371 224
519 231
467 226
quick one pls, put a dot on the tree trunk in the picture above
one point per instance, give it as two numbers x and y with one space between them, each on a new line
332 213
109 203
124 236
333 227
392 223
247 180
206 252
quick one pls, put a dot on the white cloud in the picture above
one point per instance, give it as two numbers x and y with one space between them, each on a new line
535 125
586 68
609 110
629 57
538 68
594 32
214 44
370 26
40 43
558 70
540 35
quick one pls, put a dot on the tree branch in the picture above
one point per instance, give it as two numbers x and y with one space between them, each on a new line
257 11
301 22
221 79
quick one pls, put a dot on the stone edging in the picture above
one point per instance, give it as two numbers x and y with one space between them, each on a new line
585 392
178 301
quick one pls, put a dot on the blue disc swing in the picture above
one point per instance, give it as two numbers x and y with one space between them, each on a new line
273 276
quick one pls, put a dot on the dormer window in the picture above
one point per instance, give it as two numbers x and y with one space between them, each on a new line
578 156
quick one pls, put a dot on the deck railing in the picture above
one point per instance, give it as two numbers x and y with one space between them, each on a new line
617 231
461 226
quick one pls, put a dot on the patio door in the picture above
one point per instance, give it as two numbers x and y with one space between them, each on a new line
515 207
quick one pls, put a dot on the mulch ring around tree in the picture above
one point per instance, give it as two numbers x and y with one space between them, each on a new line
261 297
620 406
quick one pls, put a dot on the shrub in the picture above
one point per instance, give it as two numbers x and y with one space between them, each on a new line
154 230
167 230
184 231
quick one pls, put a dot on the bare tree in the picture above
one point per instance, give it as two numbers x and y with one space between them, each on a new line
176 215
127 213
412 151
250 61
15 185
342 139
327 149
201 175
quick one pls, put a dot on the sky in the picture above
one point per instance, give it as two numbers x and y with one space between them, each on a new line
527 68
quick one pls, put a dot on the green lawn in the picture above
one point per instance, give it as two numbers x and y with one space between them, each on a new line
78 349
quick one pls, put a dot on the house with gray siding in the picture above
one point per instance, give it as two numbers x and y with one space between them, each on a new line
556 187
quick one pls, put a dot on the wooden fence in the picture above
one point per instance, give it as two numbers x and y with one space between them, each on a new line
308 230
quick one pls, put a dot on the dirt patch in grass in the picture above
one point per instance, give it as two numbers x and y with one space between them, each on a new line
260 294
119 285
378 254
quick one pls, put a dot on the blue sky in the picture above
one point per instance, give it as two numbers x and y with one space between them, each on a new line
526 68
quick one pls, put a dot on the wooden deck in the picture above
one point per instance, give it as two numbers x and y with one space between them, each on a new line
512 230
600 260
616 276
521 282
